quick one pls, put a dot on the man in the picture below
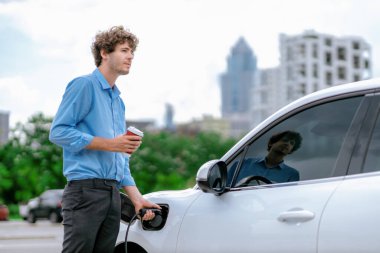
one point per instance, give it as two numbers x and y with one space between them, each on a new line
272 166
90 127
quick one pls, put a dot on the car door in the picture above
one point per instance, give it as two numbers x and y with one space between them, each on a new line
351 221
278 217
42 210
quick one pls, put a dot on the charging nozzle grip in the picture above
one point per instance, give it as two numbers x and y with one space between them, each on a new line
143 211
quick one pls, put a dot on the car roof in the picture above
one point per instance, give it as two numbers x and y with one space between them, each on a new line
367 86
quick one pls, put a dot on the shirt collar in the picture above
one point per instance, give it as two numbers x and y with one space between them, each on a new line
280 165
104 84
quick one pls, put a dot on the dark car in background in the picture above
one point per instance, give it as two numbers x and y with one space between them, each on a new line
46 206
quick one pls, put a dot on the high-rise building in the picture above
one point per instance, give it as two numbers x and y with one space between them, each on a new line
169 117
236 85
312 61
4 127
265 95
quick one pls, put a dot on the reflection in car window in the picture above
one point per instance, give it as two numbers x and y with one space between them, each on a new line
372 162
322 128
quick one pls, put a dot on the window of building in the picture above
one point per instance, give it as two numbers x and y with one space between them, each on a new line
355 45
356 78
366 64
341 53
341 73
302 50
328 58
315 70
329 78
356 61
302 69
328 42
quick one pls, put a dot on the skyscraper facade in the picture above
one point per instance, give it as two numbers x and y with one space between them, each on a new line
236 85
265 95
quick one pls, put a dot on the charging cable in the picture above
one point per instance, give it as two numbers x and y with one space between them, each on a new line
140 214
126 233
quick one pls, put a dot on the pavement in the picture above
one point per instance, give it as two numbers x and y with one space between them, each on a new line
16 230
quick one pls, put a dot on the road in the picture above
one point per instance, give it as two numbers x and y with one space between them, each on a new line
21 237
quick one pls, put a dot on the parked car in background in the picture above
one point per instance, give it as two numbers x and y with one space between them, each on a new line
332 204
46 206
4 212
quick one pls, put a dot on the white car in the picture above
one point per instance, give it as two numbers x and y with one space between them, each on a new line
333 207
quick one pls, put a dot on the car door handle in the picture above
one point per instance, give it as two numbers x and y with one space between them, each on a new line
296 215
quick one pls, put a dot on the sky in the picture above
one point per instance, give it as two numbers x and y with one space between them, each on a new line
184 45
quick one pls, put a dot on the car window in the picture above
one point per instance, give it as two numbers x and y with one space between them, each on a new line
372 161
320 131
232 166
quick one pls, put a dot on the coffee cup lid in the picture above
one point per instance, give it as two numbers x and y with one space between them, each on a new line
135 131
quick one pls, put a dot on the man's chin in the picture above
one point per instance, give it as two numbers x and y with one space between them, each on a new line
124 72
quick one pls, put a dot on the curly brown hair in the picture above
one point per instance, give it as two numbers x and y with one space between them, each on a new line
291 135
108 40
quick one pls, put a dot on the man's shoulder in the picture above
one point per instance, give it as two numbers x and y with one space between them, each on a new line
290 169
83 81
88 78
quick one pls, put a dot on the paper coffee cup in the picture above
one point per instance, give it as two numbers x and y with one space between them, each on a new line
134 131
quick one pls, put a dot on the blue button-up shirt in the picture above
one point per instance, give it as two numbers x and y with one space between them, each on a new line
278 174
89 108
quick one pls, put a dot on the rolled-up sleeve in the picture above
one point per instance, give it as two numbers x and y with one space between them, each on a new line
127 179
75 105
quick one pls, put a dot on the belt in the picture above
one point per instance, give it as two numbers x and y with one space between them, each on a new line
93 182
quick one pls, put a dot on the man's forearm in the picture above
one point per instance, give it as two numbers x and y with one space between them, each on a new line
133 193
99 143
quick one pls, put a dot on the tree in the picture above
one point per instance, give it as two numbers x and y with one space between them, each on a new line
29 163
167 161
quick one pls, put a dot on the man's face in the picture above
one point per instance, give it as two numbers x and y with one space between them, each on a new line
120 60
284 146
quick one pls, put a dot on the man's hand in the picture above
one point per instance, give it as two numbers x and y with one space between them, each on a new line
149 215
139 202
122 143
128 143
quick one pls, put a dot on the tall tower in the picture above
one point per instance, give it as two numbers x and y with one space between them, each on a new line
4 127
169 116
312 61
236 85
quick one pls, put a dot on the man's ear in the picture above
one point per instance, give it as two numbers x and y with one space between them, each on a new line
103 54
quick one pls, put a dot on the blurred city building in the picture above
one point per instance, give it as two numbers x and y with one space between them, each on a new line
236 86
265 95
143 125
309 62
4 127
169 118
313 61
207 124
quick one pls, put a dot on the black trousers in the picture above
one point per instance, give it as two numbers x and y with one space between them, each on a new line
91 216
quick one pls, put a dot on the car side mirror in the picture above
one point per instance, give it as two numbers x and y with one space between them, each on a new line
212 177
